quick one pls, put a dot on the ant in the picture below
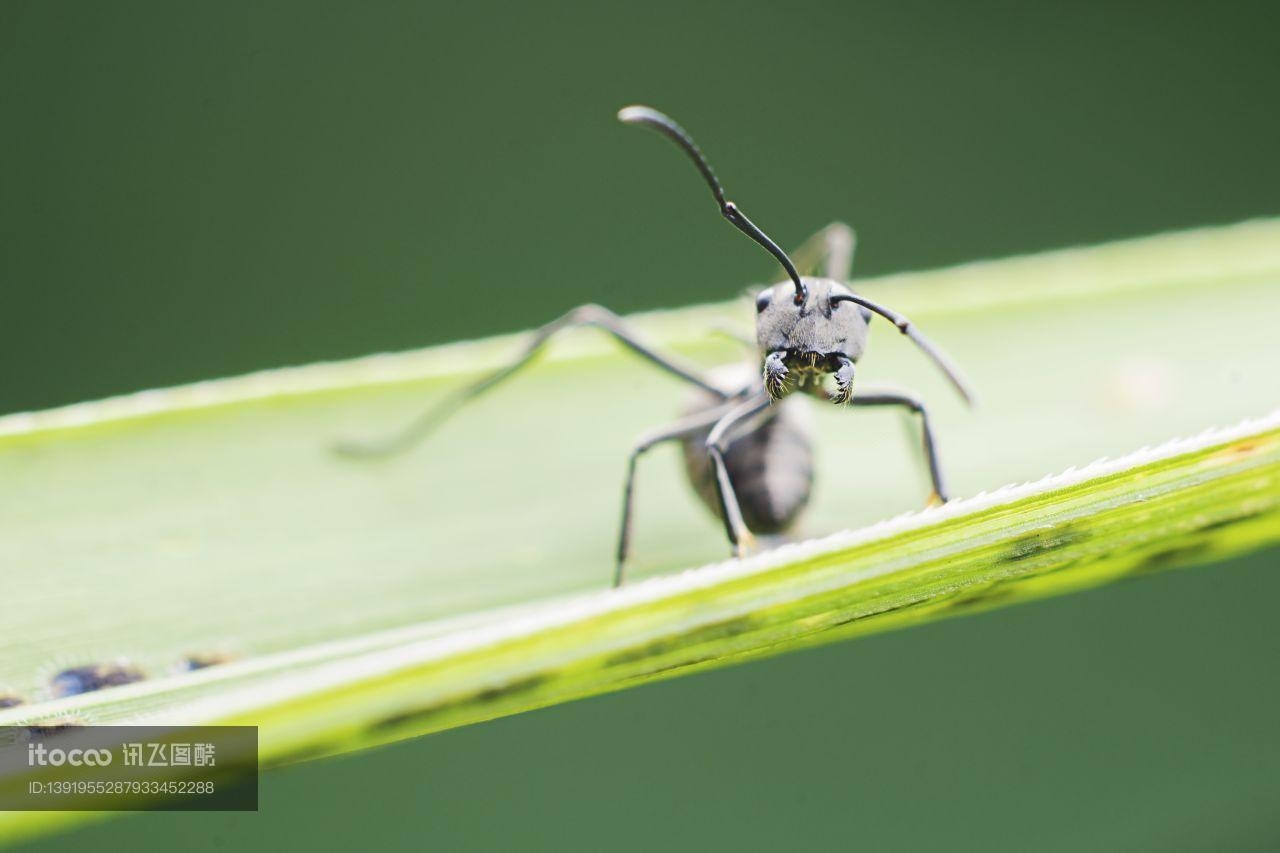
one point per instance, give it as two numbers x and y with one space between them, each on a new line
748 458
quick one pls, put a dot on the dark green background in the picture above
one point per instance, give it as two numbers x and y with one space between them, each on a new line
193 190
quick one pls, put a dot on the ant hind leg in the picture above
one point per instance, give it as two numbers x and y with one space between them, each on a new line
829 253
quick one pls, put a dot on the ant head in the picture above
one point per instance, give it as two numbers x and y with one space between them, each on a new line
815 334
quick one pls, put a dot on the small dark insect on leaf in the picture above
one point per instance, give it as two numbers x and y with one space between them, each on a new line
203 660
52 728
86 679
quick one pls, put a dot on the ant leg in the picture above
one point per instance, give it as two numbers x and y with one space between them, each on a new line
585 315
915 406
940 359
735 528
829 253
680 429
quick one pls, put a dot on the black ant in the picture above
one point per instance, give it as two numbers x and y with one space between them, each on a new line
747 457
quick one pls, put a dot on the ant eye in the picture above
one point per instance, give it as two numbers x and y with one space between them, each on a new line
762 301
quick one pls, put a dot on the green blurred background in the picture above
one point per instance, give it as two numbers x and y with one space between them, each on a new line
194 190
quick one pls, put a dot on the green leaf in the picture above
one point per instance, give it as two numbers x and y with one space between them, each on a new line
367 602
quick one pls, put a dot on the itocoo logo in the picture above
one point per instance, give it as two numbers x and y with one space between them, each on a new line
40 755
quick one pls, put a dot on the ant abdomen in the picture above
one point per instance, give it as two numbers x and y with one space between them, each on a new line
770 465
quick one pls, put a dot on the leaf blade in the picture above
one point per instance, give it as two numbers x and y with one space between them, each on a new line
156 524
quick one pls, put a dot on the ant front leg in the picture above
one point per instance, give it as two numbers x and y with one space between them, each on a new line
740 538
585 315
844 382
913 404
682 428
775 375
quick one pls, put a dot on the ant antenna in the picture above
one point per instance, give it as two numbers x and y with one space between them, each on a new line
677 134
906 327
